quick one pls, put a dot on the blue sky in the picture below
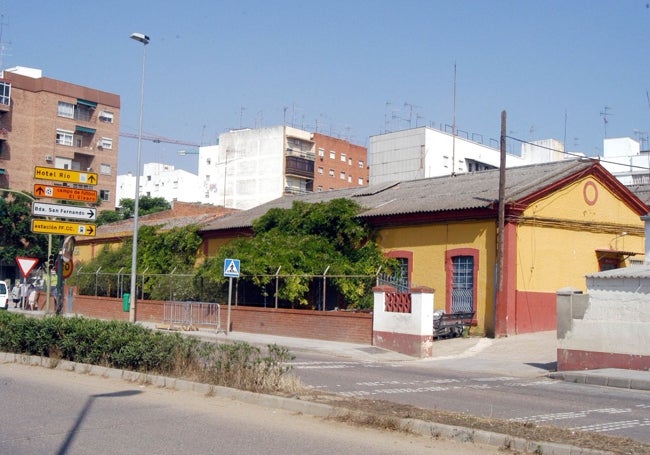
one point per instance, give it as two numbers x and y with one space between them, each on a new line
351 68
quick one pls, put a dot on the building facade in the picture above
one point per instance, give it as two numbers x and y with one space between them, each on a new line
52 123
160 180
339 164
250 167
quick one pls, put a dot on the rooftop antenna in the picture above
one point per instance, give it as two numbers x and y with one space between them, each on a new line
604 114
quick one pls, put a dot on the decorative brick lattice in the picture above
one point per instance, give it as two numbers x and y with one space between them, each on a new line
398 302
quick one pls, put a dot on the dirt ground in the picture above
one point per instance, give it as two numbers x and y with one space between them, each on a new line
529 431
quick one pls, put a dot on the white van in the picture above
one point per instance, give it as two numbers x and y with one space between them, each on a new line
4 296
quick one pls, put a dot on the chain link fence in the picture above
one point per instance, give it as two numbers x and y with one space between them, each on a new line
323 290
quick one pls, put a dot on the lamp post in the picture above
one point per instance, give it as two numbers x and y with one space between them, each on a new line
144 39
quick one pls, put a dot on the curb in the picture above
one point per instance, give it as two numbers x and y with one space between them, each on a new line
601 380
419 427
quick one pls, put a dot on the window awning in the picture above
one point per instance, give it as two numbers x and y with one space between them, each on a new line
86 103
603 252
84 129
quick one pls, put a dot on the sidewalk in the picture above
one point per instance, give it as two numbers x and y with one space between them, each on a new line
527 355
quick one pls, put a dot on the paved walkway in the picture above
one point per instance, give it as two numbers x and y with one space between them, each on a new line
527 355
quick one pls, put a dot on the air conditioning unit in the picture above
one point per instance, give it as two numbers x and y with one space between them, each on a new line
49 158
99 144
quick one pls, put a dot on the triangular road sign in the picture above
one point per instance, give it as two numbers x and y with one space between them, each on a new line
26 265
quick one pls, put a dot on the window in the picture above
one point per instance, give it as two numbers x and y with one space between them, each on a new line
331 172
64 137
349 179
343 157
208 161
361 164
106 143
461 267
65 110
342 175
360 181
105 169
105 195
320 189
106 117
332 155
320 170
148 178
321 151
5 93
349 161
400 277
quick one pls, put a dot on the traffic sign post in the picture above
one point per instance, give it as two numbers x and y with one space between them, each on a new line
65 175
230 270
64 211
63 228
65 192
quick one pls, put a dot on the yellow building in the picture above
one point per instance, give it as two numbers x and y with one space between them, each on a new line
561 221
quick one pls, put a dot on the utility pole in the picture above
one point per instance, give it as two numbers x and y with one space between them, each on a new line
501 222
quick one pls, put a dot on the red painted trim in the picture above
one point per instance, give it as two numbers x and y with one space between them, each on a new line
413 345
506 310
572 360
587 189
449 275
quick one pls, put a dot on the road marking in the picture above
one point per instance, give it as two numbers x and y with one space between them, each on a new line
613 426
570 415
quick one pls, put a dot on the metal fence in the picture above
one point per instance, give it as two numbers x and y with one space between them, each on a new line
187 315
323 289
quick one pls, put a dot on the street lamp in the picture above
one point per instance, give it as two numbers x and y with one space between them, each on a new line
144 39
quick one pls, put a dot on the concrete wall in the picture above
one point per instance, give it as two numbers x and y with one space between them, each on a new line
607 328
410 333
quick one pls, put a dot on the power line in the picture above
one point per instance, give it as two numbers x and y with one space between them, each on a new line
577 155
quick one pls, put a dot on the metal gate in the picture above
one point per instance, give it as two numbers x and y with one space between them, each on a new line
190 315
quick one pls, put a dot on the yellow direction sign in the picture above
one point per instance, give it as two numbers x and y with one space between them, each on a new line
63 228
65 192
65 175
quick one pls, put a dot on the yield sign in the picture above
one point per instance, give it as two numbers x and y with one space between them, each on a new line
26 265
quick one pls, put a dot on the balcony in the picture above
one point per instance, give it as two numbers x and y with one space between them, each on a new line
299 167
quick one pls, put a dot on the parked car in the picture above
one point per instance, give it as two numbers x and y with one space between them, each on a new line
4 296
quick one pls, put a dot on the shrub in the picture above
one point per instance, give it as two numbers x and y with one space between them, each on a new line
129 346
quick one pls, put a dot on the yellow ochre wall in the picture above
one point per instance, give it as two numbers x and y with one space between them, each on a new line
586 216
429 243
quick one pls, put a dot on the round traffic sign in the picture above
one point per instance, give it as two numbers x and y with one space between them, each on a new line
68 267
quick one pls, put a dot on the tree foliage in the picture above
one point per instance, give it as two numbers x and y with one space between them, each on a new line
160 253
304 241
16 237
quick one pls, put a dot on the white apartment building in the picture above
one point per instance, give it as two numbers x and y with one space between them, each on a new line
623 157
160 180
427 152
252 166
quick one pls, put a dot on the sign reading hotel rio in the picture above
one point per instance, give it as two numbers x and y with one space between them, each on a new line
65 175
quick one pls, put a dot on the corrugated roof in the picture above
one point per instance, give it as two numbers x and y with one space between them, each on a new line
637 271
461 192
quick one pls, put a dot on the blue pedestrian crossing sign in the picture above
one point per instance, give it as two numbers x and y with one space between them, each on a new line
231 268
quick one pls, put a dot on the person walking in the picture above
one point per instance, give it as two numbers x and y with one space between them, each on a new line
15 294
32 298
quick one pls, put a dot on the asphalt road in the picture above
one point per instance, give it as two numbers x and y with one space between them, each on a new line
430 385
49 411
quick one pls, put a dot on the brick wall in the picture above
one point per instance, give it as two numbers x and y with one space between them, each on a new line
329 325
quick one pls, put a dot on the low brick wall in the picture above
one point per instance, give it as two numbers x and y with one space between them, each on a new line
321 325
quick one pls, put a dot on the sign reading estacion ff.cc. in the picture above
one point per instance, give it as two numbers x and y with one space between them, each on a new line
62 228
65 175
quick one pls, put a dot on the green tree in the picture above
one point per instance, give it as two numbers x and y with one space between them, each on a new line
108 216
303 241
159 253
16 237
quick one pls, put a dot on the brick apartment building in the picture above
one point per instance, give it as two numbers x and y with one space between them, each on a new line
339 164
51 123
